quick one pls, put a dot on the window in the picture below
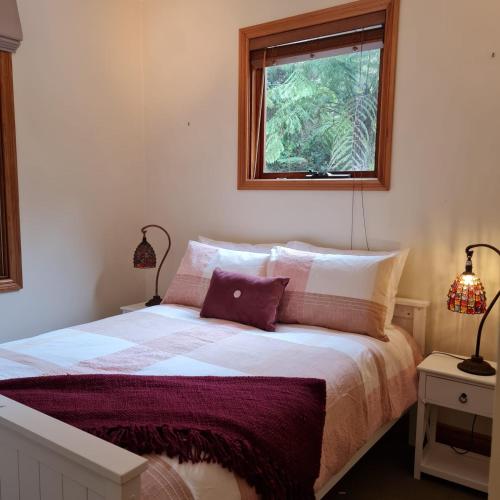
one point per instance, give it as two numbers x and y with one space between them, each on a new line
10 245
316 95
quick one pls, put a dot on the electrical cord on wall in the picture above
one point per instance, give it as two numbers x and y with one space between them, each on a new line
352 214
364 217
352 146
361 183
353 131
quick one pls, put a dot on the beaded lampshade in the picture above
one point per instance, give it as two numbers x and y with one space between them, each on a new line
466 295
145 258
144 255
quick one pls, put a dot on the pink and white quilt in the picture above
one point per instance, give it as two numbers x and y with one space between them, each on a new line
369 382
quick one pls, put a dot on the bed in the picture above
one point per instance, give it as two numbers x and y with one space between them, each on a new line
370 384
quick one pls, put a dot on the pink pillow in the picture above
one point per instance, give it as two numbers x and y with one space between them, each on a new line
192 280
349 293
401 256
244 298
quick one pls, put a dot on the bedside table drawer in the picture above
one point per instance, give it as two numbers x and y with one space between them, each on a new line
459 395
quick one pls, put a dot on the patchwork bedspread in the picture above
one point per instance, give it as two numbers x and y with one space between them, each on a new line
369 382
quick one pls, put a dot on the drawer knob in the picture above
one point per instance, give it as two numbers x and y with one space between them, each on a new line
463 398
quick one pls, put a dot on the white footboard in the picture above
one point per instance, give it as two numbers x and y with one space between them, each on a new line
44 459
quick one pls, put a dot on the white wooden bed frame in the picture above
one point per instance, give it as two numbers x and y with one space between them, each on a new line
44 459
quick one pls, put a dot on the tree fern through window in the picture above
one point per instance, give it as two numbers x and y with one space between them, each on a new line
321 114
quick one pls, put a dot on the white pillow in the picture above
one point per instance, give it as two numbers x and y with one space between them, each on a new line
190 285
401 256
241 247
341 292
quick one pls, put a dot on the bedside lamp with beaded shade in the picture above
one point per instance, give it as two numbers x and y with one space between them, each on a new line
467 296
145 258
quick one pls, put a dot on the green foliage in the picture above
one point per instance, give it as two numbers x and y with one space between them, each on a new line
322 114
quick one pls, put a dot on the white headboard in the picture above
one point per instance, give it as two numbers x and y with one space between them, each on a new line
411 314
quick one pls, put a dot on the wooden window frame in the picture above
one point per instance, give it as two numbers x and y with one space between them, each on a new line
256 37
10 241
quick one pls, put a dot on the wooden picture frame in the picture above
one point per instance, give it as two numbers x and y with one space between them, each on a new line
342 16
10 231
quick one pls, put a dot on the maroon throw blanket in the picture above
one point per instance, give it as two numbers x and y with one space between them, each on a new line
267 430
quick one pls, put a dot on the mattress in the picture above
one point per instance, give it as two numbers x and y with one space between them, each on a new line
369 382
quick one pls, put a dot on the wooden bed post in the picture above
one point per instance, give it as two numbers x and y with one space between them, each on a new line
411 314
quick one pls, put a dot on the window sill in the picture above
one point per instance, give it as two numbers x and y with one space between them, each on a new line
314 184
9 285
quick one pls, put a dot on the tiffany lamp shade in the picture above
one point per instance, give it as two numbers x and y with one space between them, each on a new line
145 258
467 296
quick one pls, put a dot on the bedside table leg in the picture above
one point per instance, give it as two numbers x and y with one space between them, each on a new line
431 432
419 439
412 427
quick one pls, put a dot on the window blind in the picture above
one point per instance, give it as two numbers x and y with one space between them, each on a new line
10 26
318 31
327 46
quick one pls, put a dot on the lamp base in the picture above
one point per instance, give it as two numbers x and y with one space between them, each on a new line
155 301
477 366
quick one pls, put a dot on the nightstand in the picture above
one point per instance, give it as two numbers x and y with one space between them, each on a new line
441 383
132 308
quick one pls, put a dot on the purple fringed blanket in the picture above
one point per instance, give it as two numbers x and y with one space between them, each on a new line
268 430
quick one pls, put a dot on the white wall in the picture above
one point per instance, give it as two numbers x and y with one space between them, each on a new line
79 112
83 163
445 172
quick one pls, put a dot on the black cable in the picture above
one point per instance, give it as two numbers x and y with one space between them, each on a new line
353 130
448 354
364 218
352 213
464 452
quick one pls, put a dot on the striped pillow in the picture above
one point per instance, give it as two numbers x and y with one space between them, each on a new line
190 285
349 293
401 256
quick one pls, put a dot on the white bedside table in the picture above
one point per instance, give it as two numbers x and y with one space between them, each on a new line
132 308
441 383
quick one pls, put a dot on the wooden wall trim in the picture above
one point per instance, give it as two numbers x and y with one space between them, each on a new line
330 14
8 179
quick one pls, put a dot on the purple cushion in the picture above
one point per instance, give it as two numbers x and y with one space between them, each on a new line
243 298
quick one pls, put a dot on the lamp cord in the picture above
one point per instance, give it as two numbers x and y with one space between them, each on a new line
364 217
460 451
448 354
352 213
361 180
465 451
353 131
352 147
